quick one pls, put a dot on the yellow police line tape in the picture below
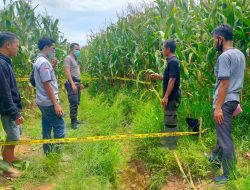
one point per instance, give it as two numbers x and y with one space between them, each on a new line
27 79
95 78
128 79
22 79
99 138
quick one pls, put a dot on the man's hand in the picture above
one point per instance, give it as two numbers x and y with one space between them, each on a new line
164 101
155 76
218 116
54 62
19 120
222 93
74 87
58 110
82 87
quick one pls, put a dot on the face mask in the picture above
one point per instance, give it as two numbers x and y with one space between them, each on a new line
77 52
51 54
219 46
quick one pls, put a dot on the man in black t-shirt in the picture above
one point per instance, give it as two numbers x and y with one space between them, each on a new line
171 91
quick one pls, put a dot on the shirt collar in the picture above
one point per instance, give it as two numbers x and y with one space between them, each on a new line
7 59
168 59
42 55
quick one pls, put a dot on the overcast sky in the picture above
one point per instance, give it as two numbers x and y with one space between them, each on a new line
78 17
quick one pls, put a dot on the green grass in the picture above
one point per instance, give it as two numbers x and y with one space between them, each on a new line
161 162
98 165
93 165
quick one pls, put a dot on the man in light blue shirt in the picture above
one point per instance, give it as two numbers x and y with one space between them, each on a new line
229 71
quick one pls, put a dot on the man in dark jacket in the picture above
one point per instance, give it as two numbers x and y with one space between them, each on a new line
10 99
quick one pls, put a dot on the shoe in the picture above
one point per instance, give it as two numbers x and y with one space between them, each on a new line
169 146
79 122
221 179
213 160
74 126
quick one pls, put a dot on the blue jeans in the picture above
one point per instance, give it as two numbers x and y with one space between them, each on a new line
50 121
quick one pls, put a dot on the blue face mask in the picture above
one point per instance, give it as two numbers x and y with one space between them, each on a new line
77 52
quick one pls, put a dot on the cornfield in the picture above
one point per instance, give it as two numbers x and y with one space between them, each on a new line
131 49
132 46
19 17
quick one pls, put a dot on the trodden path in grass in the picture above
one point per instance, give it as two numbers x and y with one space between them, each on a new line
132 173
131 176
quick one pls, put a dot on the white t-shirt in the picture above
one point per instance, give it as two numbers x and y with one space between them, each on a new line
44 72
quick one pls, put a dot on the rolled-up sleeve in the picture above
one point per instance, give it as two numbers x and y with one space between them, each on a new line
224 65
45 72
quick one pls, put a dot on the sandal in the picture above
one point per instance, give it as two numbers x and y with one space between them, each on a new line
12 173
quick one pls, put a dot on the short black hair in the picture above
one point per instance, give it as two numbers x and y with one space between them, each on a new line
45 42
7 37
72 46
224 30
170 44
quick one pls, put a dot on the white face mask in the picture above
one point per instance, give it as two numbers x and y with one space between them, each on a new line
51 54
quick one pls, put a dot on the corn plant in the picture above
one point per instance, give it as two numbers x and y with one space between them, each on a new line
19 17
133 44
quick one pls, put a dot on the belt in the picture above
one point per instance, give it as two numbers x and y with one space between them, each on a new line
76 80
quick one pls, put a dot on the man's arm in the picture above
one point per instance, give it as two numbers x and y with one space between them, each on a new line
50 92
224 73
68 74
69 77
156 76
45 75
173 70
222 93
6 102
170 88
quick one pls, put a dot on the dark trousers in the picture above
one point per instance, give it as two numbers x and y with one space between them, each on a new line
74 100
171 123
224 149
50 121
